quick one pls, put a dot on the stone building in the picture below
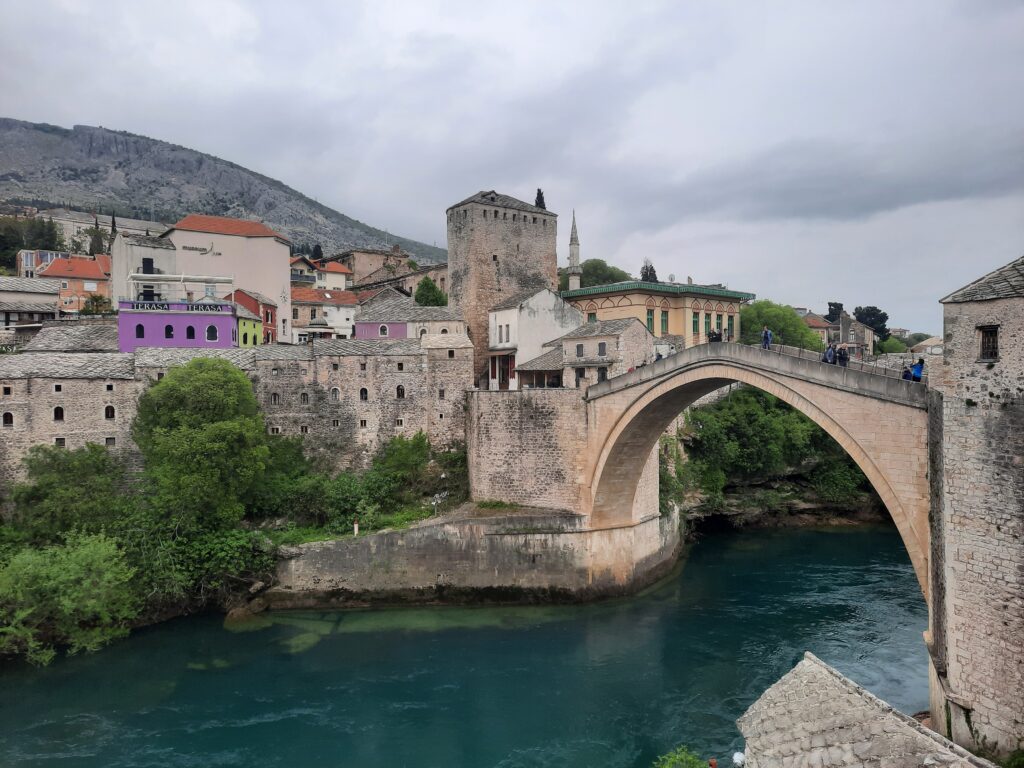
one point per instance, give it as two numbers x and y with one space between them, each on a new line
518 328
363 262
24 304
498 247
336 311
976 639
391 314
406 278
73 224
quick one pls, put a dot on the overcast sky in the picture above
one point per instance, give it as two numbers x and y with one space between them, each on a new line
869 152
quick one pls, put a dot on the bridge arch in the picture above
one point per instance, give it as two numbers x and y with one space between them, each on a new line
886 438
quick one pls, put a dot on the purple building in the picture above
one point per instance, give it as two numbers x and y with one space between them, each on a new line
374 330
204 325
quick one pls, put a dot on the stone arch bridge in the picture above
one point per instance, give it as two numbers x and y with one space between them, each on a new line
597 455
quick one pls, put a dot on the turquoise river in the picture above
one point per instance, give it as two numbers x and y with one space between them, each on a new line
610 684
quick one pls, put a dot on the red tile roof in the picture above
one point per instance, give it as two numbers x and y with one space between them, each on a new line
222 225
334 266
816 321
304 295
77 268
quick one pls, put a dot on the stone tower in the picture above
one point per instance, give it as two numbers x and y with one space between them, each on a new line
498 247
575 271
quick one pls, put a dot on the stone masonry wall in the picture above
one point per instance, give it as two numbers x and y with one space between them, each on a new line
524 447
493 254
983 525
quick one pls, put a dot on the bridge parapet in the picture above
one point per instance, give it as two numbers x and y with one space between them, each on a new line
879 383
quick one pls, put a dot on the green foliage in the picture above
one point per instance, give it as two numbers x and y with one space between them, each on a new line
595 272
838 480
32 234
80 489
835 309
429 295
680 757
1014 760
96 305
890 345
539 200
917 338
786 325
875 319
97 239
77 594
494 504
648 273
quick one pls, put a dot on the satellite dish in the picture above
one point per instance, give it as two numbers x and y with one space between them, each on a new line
671 278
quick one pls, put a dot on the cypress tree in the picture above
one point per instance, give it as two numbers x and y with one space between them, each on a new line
539 202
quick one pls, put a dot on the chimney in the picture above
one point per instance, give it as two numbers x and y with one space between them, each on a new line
689 280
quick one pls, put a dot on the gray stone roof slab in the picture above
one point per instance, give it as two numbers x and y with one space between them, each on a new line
96 365
160 357
75 337
29 285
491 197
549 361
394 307
515 300
1004 283
366 347
148 241
283 352
597 328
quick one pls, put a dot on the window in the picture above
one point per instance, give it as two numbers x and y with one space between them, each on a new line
444 331
989 342
275 399
707 323
451 354
295 313
602 348
501 330
591 317
650 320
364 394
64 284
7 390
602 374
140 332
60 442
664 322
108 412
399 422
696 323
382 331
579 350
731 325
335 394
401 366
160 375
190 332
312 313
362 366
334 366
440 415
273 371
266 317
304 430
8 419
362 423
336 423
211 333
508 336
718 322
275 430
168 331
400 392
58 387
304 398
58 414
110 387
110 442
245 338
494 257
423 332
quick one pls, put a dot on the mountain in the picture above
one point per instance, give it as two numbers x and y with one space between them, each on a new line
89 168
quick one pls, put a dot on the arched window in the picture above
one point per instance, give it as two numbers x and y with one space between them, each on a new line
423 332
8 419
108 412
444 330
304 398
335 394
168 331
211 333
190 332
140 331
383 330
400 392
275 399
364 394
58 414
245 338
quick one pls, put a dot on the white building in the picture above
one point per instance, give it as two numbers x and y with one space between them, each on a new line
74 223
519 327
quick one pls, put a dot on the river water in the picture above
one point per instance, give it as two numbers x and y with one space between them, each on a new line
611 684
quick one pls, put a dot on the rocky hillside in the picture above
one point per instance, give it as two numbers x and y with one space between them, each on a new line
88 168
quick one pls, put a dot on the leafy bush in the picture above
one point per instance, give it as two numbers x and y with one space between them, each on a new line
77 594
837 481
680 757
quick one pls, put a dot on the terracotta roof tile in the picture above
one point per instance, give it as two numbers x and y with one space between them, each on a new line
334 266
77 267
304 295
222 225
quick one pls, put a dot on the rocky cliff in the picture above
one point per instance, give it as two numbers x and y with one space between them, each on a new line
95 168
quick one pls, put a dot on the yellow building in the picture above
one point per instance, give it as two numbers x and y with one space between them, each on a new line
685 313
250 327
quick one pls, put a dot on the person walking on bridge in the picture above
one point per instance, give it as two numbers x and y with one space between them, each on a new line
766 338
843 355
918 370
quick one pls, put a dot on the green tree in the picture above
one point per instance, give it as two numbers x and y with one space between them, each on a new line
539 200
80 489
890 345
595 272
680 757
318 252
786 325
77 594
647 272
96 305
916 338
835 309
875 319
429 295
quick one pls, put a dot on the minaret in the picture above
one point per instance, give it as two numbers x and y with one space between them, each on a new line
575 271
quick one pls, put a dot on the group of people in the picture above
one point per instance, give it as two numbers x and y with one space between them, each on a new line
834 355
915 371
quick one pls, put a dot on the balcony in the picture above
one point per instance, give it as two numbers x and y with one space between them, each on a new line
303 279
